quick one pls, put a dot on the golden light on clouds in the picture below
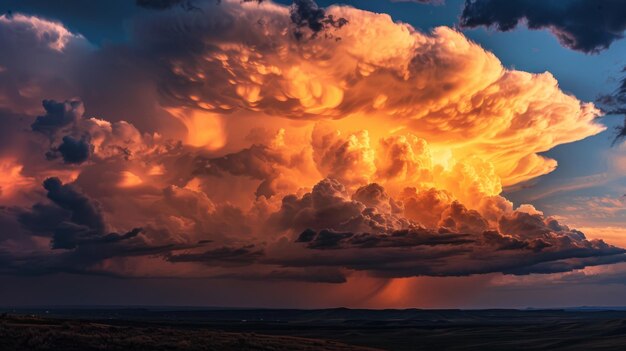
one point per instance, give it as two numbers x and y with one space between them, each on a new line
370 149
11 178
204 129
129 179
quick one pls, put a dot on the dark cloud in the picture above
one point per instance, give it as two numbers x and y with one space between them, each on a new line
58 115
85 258
459 218
80 238
168 4
71 221
329 239
307 14
464 244
306 236
616 104
325 239
304 13
41 219
431 2
75 138
328 206
620 133
84 211
70 236
495 254
165 4
72 150
62 116
584 25
223 256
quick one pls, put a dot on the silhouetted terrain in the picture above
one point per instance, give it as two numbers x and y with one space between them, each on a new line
33 333
331 329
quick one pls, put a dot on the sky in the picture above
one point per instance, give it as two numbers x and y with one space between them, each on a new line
364 153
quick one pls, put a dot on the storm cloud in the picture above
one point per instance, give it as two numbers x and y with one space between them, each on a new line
519 242
584 25
221 145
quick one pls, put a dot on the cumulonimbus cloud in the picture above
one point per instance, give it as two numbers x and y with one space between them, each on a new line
475 98
366 146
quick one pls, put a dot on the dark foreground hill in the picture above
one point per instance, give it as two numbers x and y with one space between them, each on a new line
32 333
332 329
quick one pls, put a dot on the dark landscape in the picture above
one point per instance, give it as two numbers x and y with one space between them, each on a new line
329 329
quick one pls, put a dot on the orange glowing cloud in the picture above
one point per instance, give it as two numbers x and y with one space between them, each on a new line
11 179
446 89
204 129
129 179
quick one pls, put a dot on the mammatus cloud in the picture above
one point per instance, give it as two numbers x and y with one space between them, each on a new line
303 14
293 157
297 80
584 25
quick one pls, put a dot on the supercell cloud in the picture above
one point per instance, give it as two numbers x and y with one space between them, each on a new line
252 140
